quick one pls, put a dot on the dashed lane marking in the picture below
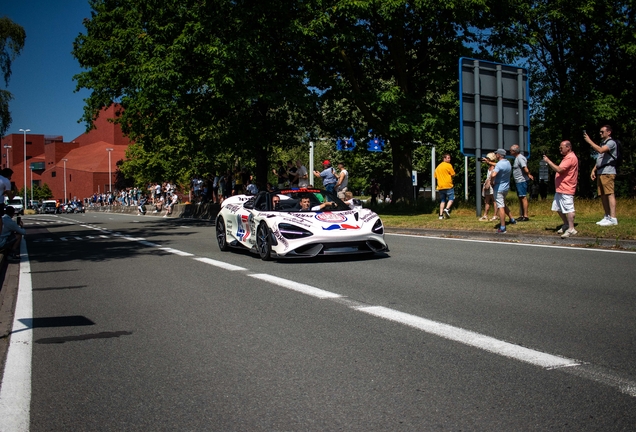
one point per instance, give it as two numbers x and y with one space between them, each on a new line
220 264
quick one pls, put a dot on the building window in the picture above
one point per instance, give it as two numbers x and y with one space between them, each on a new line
52 173
70 177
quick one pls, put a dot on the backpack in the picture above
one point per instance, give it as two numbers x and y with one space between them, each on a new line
617 161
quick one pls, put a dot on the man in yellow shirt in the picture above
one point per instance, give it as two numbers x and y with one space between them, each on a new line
444 175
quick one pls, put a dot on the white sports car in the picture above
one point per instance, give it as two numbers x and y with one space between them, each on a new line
298 223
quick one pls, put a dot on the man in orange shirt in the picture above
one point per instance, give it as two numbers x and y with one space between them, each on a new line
444 175
567 174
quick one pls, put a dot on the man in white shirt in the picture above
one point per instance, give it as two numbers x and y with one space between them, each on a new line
343 181
5 189
303 176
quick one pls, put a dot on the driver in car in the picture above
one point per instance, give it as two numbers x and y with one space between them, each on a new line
276 202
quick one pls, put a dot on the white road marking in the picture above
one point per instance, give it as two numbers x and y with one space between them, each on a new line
176 252
515 244
147 243
295 286
15 393
467 337
220 264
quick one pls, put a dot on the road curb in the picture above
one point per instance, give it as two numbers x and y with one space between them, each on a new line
8 297
512 237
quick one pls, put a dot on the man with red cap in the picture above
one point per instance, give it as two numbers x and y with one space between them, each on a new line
328 176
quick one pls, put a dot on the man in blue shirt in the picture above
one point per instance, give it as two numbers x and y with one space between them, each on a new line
329 178
500 178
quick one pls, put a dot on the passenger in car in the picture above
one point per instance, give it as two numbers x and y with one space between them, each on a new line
305 205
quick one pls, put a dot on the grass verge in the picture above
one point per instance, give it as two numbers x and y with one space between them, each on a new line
542 219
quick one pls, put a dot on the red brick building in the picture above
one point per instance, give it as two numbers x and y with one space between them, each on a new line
85 158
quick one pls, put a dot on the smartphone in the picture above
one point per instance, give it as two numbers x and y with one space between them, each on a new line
584 132
18 219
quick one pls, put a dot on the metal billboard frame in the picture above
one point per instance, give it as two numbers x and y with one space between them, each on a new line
494 108
494 111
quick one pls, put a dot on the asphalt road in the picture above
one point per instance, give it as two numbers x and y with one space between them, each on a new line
143 324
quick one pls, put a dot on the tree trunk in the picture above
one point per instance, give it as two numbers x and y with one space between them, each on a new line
402 167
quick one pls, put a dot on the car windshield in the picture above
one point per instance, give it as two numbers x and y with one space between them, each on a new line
13 202
291 200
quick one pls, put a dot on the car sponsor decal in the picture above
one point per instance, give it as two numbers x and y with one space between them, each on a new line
331 217
340 227
243 231
368 217
233 208
280 237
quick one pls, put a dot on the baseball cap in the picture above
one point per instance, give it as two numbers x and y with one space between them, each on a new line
326 162
501 152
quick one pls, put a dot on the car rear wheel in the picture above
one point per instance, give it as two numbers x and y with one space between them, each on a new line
221 238
263 242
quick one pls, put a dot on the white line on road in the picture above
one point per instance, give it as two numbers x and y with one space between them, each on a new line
289 284
15 394
515 244
220 264
468 337
176 252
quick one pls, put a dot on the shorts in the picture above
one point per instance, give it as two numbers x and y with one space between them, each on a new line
563 203
500 198
522 189
446 195
605 183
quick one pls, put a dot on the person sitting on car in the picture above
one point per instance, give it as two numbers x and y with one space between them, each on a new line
305 205
12 233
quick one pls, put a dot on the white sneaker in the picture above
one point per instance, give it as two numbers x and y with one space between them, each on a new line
606 217
569 233
609 222
562 229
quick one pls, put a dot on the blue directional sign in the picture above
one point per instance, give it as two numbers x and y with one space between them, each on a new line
375 145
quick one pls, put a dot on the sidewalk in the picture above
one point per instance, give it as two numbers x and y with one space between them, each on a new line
9 274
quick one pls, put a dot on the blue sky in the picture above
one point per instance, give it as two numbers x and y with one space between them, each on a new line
42 76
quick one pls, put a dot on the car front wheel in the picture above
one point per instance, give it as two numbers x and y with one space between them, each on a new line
221 238
263 242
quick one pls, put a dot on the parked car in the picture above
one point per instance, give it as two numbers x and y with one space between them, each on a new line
48 207
17 204
73 207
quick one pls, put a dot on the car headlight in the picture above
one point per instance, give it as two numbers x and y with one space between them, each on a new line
292 232
378 228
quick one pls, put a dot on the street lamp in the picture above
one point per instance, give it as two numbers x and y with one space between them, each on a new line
65 160
31 184
110 176
25 131
7 146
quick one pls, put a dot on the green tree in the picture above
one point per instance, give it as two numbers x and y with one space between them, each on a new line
197 80
581 59
395 64
12 37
